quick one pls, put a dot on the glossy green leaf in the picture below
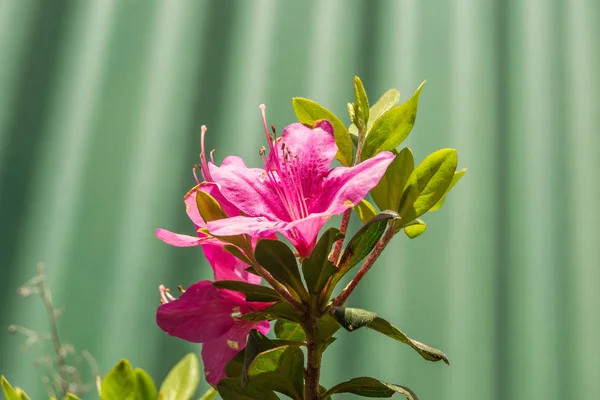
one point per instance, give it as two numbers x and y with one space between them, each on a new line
279 310
237 253
364 240
317 268
71 396
210 394
253 292
146 389
390 130
428 183
235 366
362 104
280 369
208 207
308 111
415 229
370 387
429 353
457 176
181 382
120 383
353 318
388 100
277 258
233 389
9 392
289 330
327 326
388 192
365 211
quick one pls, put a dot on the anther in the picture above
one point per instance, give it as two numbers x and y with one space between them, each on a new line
274 130
181 289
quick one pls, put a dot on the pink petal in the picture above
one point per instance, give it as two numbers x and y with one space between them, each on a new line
200 314
249 189
218 352
176 239
227 267
345 187
303 233
253 226
313 150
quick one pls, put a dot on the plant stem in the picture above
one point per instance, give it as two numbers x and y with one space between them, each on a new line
379 247
314 355
60 359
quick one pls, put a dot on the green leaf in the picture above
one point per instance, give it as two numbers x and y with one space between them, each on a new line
279 310
289 330
415 229
71 396
208 207
146 389
390 130
308 111
455 179
237 253
182 380
235 366
120 383
353 318
277 258
317 268
209 394
362 104
365 211
370 387
9 392
253 292
280 369
429 353
388 100
388 191
364 240
232 389
327 326
428 183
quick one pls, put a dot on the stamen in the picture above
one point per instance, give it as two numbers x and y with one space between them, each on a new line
194 173
163 294
181 289
274 130
204 163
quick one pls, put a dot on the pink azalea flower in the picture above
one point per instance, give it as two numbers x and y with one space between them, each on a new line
296 192
207 315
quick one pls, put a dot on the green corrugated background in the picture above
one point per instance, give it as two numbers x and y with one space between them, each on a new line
100 108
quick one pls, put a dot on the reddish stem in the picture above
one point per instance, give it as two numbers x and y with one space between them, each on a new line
379 247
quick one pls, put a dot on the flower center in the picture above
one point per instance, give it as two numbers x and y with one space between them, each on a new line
282 170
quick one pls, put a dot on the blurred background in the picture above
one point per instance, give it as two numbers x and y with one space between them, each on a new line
101 104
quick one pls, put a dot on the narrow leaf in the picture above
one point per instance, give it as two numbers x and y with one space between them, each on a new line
71 396
317 268
388 100
277 258
429 353
258 343
182 380
327 326
120 383
390 130
308 111
388 191
253 292
210 394
415 229
364 240
455 179
279 310
362 104
146 389
353 318
208 207
289 330
9 392
365 211
428 183
370 387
